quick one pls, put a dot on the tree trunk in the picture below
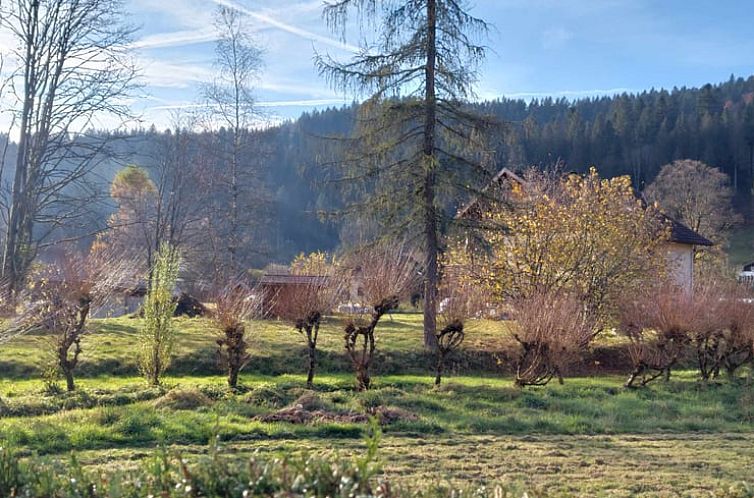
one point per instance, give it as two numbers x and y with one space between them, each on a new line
312 366
430 217
440 365
69 383
233 378
363 379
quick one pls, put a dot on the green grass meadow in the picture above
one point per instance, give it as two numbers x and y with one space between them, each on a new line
587 437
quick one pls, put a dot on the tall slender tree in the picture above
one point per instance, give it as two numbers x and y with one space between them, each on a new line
73 67
417 147
230 102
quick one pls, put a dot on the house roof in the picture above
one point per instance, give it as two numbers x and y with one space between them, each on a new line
287 279
679 233
503 175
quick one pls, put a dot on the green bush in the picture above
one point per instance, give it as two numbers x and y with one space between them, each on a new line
157 336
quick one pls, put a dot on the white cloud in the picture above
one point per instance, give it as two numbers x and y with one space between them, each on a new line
555 38
176 38
288 28
270 104
162 74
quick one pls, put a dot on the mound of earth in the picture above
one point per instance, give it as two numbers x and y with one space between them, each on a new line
182 399
299 414
188 305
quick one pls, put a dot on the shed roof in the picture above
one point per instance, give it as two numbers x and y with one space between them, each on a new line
681 234
288 279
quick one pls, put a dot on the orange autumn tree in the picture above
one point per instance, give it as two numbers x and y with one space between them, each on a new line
577 237
132 226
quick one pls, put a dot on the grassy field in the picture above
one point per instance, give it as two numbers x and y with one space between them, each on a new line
589 436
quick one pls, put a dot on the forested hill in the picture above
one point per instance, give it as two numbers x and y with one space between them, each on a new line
624 134
637 133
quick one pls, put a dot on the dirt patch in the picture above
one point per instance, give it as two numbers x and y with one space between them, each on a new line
298 414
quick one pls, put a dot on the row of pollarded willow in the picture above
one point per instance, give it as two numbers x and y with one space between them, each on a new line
61 302
664 323
385 275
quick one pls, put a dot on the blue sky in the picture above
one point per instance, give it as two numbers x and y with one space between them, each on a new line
566 48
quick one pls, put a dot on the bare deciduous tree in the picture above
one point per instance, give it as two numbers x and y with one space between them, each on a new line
699 196
61 300
73 68
237 182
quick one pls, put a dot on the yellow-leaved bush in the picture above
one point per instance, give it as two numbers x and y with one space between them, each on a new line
585 235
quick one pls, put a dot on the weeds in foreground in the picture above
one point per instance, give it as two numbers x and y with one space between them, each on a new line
218 475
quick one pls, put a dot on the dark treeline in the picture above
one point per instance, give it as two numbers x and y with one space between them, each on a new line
632 134
637 133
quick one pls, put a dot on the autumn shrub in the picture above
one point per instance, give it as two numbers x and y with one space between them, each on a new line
552 329
157 335
385 274
578 234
